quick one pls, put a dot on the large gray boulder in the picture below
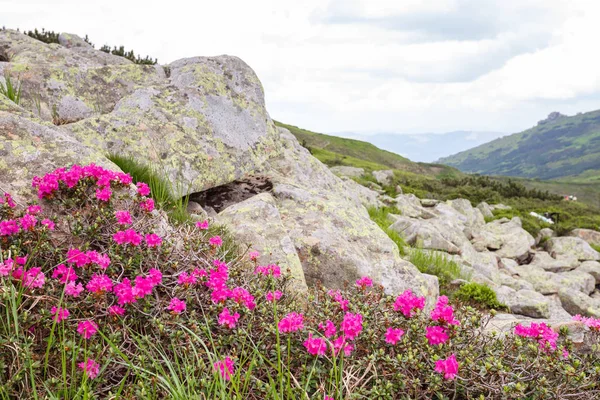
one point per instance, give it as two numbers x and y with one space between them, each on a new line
592 268
571 246
506 239
543 235
257 223
544 260
474 216
589 235
524 302
576 302
410 206
485 209
433 234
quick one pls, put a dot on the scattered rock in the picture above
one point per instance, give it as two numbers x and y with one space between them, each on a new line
384 177
485 209
543 260
543 235
507 239
592 268
571 246
429 202
589 235
576 302
524 302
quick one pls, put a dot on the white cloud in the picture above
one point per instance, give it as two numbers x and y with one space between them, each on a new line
368 65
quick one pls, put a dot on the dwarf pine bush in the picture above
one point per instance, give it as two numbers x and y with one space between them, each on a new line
100 298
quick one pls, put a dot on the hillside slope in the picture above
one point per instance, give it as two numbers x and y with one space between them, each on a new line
333 150
557 147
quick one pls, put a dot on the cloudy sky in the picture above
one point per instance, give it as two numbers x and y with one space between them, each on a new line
367 66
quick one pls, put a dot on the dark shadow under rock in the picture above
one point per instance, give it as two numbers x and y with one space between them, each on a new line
220 197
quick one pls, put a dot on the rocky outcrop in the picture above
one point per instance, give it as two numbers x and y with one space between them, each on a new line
485 209
506 239
202 121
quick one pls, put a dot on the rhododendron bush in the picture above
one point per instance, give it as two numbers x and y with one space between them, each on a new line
101 298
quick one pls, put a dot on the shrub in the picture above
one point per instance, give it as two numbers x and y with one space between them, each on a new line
168 318
44 36
477 294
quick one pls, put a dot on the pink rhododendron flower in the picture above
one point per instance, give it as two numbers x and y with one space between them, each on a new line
447 367
147 205
124 292
153 240
219 295
215 241
28 222
104 194
129 236
155 276
186 279
99 284
253 255
34 278
101 260
6 267
8 200
143 287
436 335
340 344
143 189
337 296
34 209
77 257
242 296
123 217
60 314
116 310
565 354
64 273
48 224
328 398
408 303
21 260
351 326
328 329
176 306
87 329
271 269
73 289
90 367
364 282
273 296
291 323
225 368
203 225
393 335
315 346
592 323
545 336
9 227
444 313
228 319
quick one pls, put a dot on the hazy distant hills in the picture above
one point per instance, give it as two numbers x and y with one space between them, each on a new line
558 147
426 147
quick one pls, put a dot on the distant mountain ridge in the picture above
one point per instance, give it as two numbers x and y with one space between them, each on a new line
426 147
557 147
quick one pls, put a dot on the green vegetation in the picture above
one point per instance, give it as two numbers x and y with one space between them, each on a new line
558 147
477 295
161 188
380 217
52 37
438 264
595 247
11 89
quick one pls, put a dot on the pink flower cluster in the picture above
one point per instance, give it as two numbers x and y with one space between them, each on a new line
545 336
267 270
50 183
364 282
176 306
228 319
337 296
447 367
87 329
408 303
60 314
592 323
225 368
444 313
7 200
81 259
291 323
143 285
90 367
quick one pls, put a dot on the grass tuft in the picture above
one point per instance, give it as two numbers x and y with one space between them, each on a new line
11 89
380 217
438 264
479 294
